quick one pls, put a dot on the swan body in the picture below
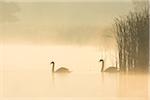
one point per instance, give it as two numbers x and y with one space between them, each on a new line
110 69
60 70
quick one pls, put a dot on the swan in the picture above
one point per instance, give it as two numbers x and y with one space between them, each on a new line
60 70
110 69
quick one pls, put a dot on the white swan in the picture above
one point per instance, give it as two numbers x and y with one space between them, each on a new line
60 70
110 69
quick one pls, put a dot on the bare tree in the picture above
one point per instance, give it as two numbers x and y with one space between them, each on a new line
132 36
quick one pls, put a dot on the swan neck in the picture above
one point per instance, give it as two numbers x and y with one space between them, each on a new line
53 65
102 69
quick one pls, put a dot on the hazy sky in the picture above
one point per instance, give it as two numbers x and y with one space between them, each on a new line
60 22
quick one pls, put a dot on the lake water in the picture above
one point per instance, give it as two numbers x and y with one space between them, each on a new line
25 74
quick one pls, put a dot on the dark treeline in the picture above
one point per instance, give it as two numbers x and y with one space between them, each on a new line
132 35
8 11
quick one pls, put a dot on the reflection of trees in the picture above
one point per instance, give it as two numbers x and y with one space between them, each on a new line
8 11
133 86
132 35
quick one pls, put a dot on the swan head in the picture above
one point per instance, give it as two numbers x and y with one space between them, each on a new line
101 60
52 62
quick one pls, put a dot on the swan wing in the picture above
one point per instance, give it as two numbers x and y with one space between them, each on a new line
62 70
111 69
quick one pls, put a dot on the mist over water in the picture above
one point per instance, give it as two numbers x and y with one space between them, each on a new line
26 72
75 35
38 57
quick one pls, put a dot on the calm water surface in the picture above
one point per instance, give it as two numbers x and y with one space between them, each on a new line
25 74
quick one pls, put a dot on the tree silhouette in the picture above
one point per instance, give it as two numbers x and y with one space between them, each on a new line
8 11
132 35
